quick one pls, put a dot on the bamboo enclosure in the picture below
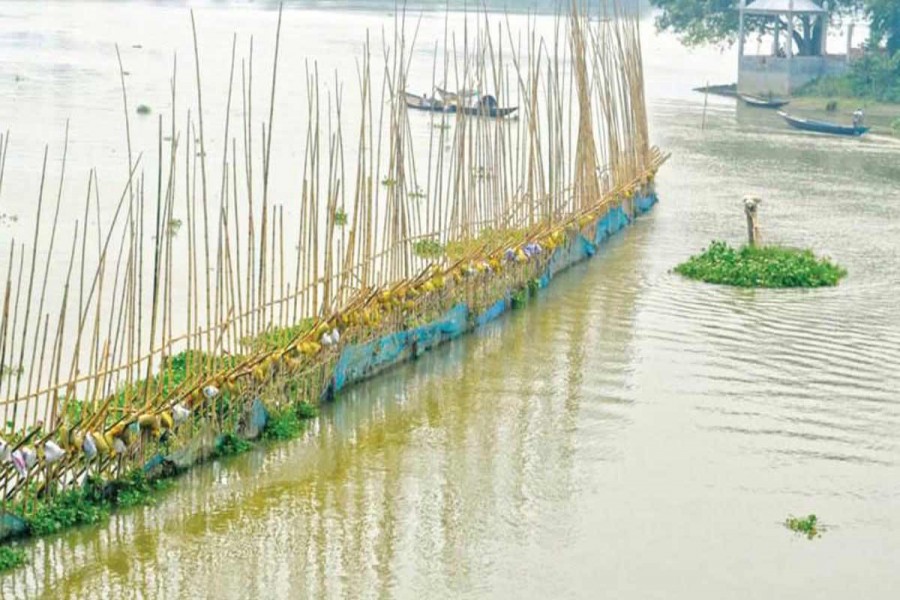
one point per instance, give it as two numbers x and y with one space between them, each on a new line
203 295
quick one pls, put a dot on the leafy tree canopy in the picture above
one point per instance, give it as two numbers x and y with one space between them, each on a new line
699 22
884 16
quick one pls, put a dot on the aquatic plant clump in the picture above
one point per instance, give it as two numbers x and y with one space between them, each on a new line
287 423
230 444
761 267
10 558
808 526
89 503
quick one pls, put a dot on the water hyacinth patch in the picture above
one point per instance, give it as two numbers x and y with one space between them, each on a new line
10 558
761 267
230 444
808 526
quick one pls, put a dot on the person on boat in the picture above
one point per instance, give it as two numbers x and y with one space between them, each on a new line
858 117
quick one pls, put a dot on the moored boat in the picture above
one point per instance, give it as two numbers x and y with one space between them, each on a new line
486 106
822 126
425 103
758 102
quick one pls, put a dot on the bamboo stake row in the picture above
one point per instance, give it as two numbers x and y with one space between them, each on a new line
252 294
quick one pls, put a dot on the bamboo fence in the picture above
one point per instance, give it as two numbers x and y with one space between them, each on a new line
171 328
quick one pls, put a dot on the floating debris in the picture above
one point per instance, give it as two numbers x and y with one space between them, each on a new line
808 526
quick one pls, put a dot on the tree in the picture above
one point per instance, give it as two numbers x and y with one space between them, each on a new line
716 21
884 16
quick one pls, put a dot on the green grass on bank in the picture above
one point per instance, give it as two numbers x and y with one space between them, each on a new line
763 267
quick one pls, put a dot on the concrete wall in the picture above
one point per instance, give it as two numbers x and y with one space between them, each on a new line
762 75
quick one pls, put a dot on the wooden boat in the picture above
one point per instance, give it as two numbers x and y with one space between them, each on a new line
485 107
758 102
822 126
429 104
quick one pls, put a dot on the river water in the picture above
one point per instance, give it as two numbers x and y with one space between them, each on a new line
628 435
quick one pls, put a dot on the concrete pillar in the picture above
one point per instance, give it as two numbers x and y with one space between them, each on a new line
790 30
849 40
776 42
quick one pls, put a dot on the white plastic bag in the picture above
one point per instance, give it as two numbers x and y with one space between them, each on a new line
180 414
18 461
52 452
210 392
4 450
89 446
119 446
30 456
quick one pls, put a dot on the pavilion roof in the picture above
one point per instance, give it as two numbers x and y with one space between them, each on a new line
778 7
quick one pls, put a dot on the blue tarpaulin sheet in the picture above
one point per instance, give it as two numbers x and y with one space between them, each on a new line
359 361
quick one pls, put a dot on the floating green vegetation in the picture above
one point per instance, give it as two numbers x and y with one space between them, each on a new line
388 182
143 109
135 489
340 217
520 298
533 286
230 444
808 526
73 507
761 267
282 425
10 558
287 423
306 411
90 503
442 125
428 248
416 194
